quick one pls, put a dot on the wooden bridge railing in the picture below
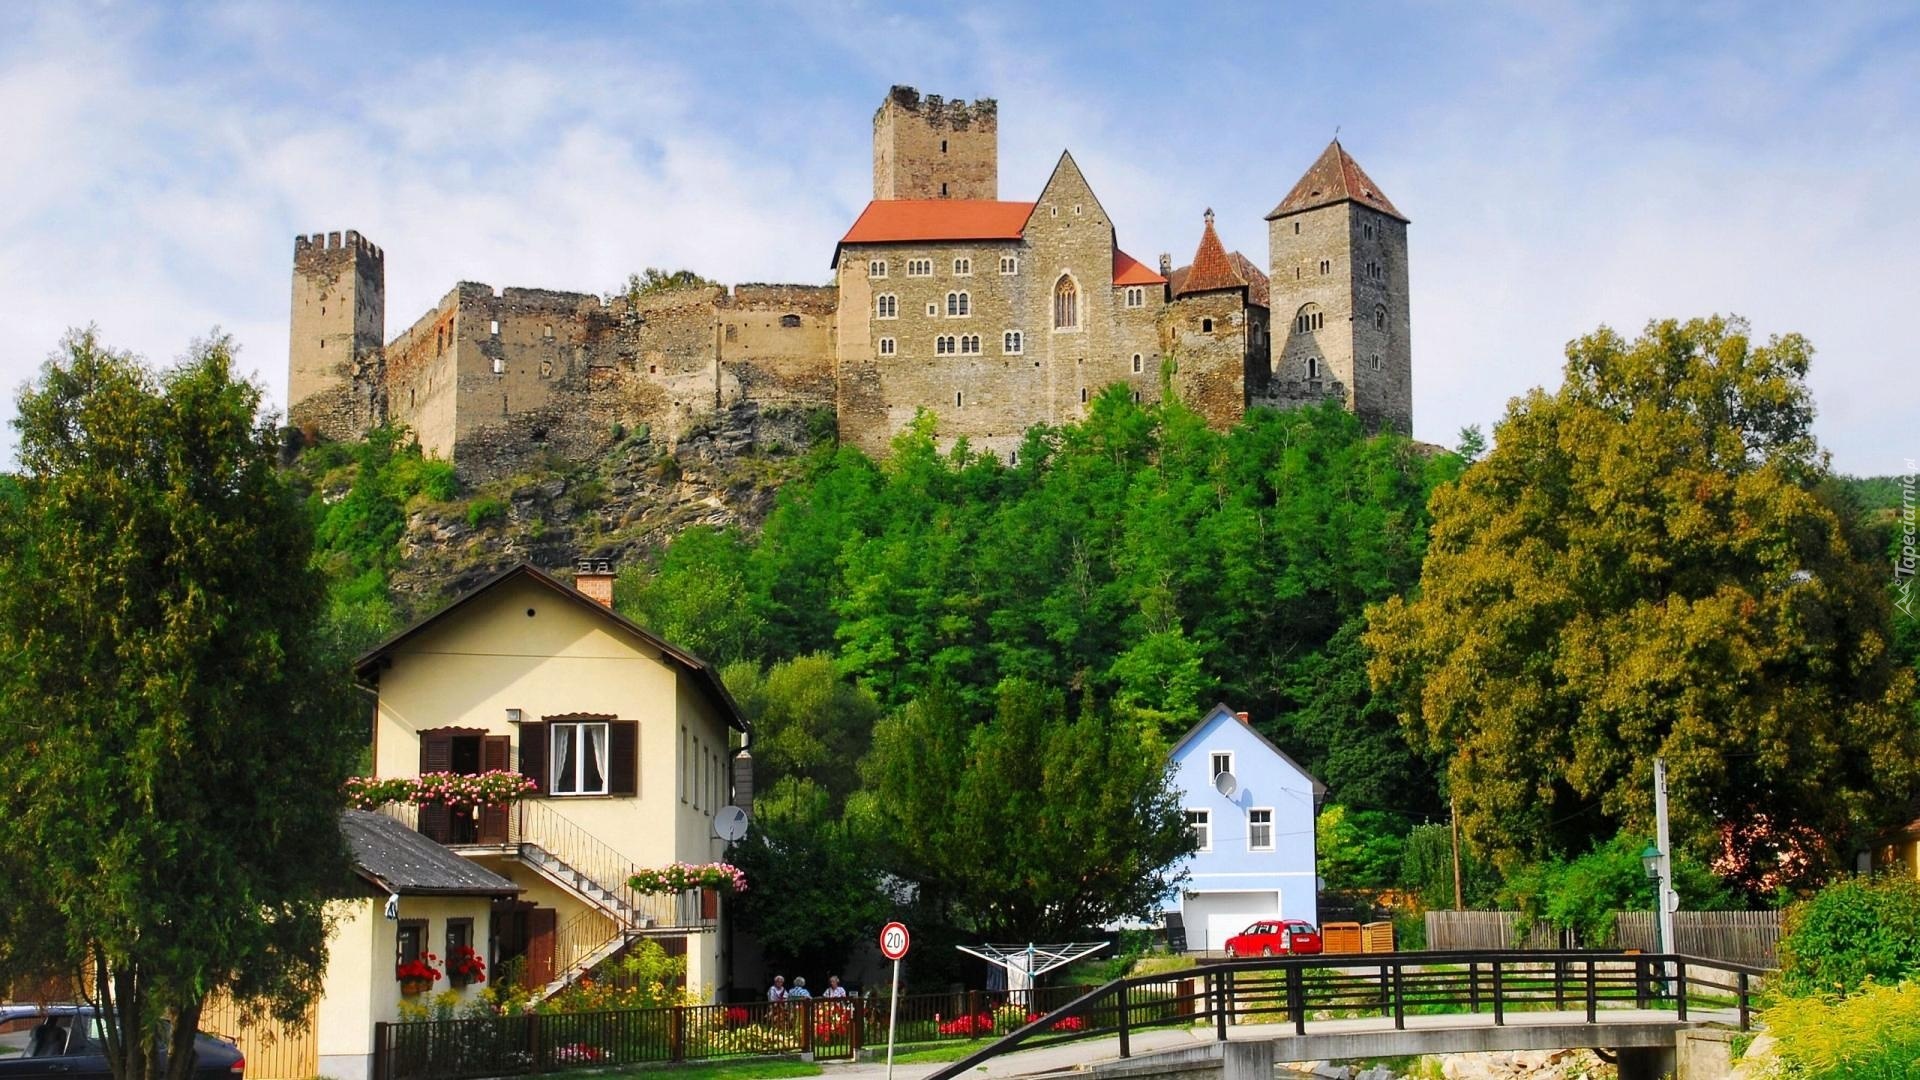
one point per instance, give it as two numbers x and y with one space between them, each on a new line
1299 989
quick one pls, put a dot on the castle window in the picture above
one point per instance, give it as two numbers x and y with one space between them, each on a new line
1309 319
1296 228
1367 230
1066 304
547 331
886 346
790 322
1373 269
1136 296
1137 363
886 306
919 267
959 305
1326 266
1136 397
1011 343
653 369
1206 326
933 309
1374 360
1313 367
943 187
499 366
877 268
944 346
963 267
1009 264
958 401
1076 209
1380 317
1083 395
496 328
943 146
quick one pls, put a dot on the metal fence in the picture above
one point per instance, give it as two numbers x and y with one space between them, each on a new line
1746 937
826 1028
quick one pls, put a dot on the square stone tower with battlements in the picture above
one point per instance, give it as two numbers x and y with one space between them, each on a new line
1338 267
931 148
335 381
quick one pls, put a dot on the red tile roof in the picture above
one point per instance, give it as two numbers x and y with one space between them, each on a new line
1211 268
886 221
1259 292
1335 178
1128 270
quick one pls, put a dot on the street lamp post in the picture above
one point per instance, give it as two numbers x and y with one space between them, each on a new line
1650 859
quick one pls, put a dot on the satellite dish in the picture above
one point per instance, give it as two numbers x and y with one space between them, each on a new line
1225 784
730 823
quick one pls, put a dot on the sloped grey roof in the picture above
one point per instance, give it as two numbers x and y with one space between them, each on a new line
399 860
1319 789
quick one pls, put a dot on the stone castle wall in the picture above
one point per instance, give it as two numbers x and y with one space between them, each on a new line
337 318
931 148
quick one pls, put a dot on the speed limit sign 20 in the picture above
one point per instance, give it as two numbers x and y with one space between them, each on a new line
893 940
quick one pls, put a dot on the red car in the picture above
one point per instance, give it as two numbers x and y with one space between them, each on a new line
1278 937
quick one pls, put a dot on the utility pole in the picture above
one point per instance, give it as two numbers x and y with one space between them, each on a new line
1453 804
1667 899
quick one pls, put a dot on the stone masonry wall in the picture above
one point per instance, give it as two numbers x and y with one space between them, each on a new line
1206 335
1299 246
931 148
338 316
1383 357
422 379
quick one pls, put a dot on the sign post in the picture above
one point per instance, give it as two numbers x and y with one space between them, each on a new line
893 946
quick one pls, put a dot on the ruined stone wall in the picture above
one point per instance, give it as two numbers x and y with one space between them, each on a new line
336 325
422 380
777 345
931 148
1206 334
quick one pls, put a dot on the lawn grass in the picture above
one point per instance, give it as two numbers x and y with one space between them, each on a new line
953 1052
739 1070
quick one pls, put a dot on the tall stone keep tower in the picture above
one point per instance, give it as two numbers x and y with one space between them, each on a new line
335 356
930 148
1337 250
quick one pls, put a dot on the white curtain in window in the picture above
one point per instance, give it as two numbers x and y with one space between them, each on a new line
594 777
564 781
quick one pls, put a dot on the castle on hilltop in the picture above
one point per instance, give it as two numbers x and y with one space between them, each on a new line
992 315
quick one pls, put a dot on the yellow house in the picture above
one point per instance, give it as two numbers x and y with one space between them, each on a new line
417 898
626 737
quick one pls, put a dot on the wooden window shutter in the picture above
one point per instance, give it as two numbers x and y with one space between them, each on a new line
436 755
533 754
495 756
623 748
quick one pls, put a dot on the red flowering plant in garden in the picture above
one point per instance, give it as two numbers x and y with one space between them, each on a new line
418 969
465 965
579 1053
967 1026
735 1016
831 1021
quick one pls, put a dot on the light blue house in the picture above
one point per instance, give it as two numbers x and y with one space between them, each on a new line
1251 808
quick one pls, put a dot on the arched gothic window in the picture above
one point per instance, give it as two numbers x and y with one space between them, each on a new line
1066 304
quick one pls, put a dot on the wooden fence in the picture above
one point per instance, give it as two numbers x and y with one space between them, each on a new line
1745 937
273 1051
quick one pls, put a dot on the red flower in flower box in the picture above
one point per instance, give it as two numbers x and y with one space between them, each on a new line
465 966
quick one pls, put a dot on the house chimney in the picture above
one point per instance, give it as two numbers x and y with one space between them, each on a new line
1244 718
1166 265
594 579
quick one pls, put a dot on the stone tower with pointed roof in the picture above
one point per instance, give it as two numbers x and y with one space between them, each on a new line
1337 250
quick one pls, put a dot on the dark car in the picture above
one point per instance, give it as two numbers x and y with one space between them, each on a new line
1275 937
66 1042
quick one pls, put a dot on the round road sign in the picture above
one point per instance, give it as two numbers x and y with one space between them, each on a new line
893 940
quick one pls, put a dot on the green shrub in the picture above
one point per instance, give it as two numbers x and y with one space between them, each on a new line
1853 930
1873 1035
484 510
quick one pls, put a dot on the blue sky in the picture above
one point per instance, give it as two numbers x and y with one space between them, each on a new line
1565 165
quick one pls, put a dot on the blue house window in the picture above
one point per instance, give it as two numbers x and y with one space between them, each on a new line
1201 822
1260 829
1222 763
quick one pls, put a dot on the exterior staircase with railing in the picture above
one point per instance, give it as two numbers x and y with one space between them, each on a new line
586 867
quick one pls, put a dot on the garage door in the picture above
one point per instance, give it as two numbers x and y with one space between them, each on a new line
1213 917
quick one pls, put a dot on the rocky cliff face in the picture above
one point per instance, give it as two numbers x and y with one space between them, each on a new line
625 505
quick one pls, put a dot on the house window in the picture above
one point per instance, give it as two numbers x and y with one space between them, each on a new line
919 267
1011 343
959 304
1066 304
963 267
1309 319
1009 264
1137 363
886 346
1201 822
1222 763
683 763
886 306
877 268
1206 326
459 938
1260 829
579 756
410 942
1136 296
